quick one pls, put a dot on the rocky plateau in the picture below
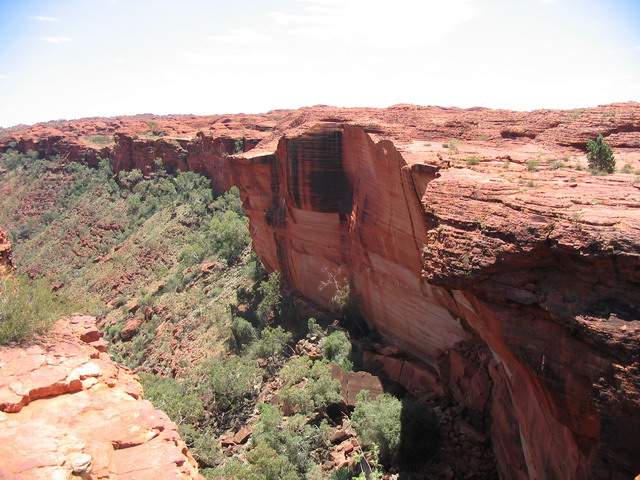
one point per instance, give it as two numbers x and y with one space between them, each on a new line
503 273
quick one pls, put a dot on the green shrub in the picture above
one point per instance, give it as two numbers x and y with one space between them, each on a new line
294 439
28 307
100 140
308 386
473 160
404 431
229 236
243 333
182 405
313 328
600 156
174 398
628 168
453 144
337 349
532 165
378 422
270 290
343 474
272 343
556 164
229 380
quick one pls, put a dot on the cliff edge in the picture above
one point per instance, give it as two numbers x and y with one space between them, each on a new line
68 411
474 240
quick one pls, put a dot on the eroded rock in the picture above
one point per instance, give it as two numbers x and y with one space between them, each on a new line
66 408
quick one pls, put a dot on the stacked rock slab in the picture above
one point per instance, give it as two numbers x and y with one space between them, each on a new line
67 409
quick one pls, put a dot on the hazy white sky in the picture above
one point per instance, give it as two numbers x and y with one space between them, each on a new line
79 58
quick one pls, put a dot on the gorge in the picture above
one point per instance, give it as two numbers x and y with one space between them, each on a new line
509 284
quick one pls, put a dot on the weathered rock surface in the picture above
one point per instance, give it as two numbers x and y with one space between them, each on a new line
524 302
6 265
511 280
66 408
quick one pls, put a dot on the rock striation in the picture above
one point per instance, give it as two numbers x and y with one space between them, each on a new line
68 411
526 314
507 273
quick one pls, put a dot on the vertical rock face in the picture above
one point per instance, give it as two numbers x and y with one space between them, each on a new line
527 319
518 290
66 408
333 206
204 154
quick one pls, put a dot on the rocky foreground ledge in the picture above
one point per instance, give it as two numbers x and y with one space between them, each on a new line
68 411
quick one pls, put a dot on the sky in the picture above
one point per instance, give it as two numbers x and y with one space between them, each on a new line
65 59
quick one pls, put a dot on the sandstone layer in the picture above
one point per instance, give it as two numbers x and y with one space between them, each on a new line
507 272
68 411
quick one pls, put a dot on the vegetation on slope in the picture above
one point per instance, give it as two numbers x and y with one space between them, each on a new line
167 266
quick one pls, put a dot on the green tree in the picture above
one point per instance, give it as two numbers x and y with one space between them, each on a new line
600 155
270 290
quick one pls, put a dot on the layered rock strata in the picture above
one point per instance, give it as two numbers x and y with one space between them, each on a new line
526 315
514 290
68 411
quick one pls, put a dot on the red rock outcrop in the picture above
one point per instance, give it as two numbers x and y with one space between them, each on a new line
512 281
6 265
66 407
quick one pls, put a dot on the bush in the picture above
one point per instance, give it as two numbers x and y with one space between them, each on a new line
313 328
405 431
228 380
272 343
243 333
378 422
337 349
294 439
600 156
308 386
172 397
453 144
28 307
183 407
271 302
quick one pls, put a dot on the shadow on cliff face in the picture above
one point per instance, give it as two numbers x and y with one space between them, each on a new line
608 307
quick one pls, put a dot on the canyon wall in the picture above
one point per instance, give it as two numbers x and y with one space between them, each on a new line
527 318
515 290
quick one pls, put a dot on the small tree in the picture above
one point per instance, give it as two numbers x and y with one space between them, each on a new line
600 155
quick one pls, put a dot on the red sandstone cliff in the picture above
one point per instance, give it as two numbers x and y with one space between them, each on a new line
66 407
515 282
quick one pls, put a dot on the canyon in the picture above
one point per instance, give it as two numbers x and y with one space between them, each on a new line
504 273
